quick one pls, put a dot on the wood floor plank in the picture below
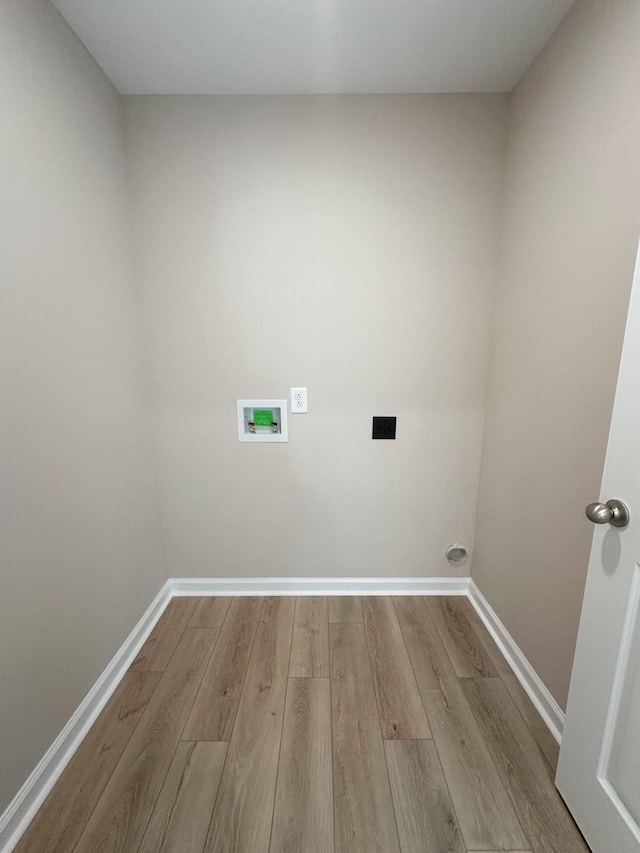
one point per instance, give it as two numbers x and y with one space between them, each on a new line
303 812
364 816
181 818
210 611
540 808
63 816
345 608
244 808
400 708
545 740
424 813
468 655
485 813
161 643
214 710
120 818
310 645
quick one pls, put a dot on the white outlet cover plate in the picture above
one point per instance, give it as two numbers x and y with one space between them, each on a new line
299 401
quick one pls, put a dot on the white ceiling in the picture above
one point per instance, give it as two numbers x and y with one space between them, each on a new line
304 46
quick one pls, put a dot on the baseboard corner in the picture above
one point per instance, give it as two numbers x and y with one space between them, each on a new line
23 807
533 685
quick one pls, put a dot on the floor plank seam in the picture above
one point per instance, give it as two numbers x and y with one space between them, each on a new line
404 643
152 811
386 765
308 677
172 686
435 741
546 794
226 758
250 656
505 671
215 802
505 784
479 727
108 779
443 640
204 672
286 692
172 653
393 803
295 616
333 799
132 668
525 721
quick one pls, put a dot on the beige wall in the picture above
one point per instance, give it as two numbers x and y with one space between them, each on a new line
345 244
570 232
80 549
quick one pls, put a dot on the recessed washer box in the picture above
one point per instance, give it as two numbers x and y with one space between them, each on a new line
262 421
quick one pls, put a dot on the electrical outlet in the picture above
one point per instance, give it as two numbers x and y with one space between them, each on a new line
384 428
299 401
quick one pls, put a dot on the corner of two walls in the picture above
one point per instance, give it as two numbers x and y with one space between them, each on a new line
569 236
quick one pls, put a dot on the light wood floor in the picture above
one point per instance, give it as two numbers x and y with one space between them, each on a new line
313 725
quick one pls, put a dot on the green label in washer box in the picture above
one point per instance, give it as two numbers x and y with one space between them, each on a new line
263 417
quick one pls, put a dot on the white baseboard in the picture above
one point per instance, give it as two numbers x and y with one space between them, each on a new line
545 704
320 586
22 809
30 797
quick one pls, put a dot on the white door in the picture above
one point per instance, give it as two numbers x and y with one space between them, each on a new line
599 767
